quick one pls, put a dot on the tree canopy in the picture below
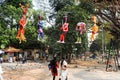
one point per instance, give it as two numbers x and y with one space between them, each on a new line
109 11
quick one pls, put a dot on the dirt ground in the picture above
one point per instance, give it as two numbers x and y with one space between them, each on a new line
27 71
39 71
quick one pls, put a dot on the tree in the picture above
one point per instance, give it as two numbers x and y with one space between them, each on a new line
7 19
109 11
75 13
9 16
59 4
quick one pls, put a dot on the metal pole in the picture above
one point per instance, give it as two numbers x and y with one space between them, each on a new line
102 43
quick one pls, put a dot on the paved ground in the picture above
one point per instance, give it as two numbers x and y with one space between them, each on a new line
81 74
84 74
36 71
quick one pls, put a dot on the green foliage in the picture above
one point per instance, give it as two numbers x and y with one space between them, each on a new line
16 3
88 6
60 4
10 14
75 13
31 33
108 12
94 47
7 36
104 35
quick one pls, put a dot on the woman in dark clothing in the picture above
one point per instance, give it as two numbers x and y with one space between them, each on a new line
54 65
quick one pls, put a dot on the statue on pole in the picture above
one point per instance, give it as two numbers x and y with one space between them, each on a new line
94 28
80 28
22 23
64 29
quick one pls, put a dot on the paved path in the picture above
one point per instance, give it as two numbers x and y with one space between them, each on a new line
82 74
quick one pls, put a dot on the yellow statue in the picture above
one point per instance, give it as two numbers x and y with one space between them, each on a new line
94 28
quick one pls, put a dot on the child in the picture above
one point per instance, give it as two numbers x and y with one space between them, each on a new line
63 70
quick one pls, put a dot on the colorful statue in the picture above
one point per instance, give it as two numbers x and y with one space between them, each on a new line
22 23
64 29
94 28
24 8
40 28
80 28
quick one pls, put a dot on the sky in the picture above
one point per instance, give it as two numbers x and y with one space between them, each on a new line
45 7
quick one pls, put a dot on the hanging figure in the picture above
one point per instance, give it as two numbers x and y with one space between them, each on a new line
40 28
94 28
64 29
80 28
22 24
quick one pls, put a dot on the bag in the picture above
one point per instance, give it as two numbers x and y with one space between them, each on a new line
49 66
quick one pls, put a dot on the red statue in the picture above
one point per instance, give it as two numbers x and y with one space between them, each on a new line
64 29
22 23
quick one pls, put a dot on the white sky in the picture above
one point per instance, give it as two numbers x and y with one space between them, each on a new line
35 4
44 6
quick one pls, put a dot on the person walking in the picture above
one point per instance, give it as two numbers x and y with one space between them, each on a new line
54 65
63 69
